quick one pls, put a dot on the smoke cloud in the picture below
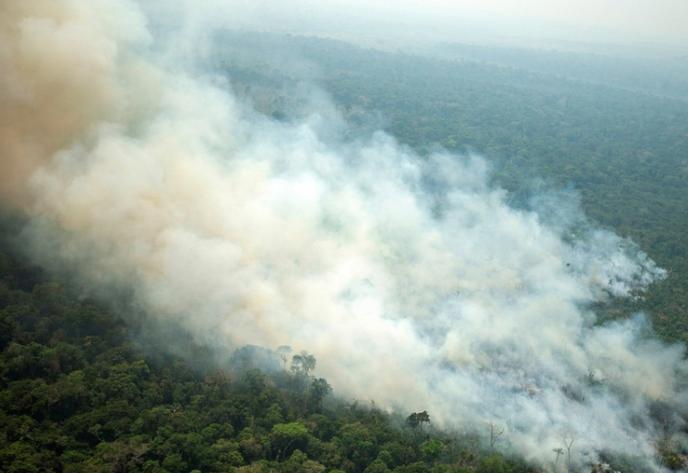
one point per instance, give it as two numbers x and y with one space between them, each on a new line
410 279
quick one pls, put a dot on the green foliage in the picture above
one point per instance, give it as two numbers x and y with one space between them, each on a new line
417 419
318 390
431 449
377 466
303 363
493 464
286 438
77 395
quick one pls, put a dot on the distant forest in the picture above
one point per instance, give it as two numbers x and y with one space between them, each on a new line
612 129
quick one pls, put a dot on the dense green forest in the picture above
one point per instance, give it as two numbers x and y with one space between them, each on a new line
659 73
601 126
84 389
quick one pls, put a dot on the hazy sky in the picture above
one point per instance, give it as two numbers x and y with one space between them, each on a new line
662 20
609 21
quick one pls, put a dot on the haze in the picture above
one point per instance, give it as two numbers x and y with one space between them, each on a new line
403 23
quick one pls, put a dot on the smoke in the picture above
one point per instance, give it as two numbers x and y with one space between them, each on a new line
410 279
409 22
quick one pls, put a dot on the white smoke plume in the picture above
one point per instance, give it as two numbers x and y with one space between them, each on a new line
411 280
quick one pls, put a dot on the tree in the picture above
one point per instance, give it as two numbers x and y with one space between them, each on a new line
175 463
431 449
285 438
303 363
417 419
495 432
377 466
493 464
318 391
357 443
557 452
568 439
283 352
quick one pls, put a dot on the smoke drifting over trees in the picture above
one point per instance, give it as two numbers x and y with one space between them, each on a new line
409 278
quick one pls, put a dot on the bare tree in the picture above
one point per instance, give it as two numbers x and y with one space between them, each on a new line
557 452
417 419
303 363
568 439
283 352
495 432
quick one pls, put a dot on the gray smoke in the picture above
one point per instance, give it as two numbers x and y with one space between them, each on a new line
411 280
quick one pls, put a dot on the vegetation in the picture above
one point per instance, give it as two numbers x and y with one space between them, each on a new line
80 393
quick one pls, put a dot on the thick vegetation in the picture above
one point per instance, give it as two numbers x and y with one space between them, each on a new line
78 393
